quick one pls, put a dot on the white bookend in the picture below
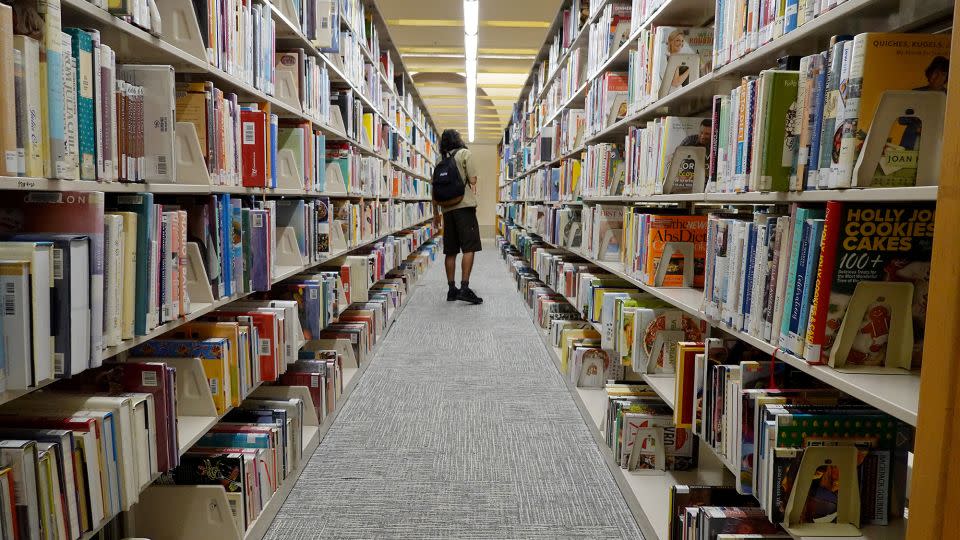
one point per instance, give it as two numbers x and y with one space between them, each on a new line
159 122
288 249
205 511
686 173
670 249
924 111
341 345
198 285
180 27
843 459
288 9
289 175
336 120
336 184
191 167
288 89
869 299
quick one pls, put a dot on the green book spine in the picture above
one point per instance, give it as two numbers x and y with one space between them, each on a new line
780 133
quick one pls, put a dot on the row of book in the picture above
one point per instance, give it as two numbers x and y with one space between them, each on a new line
606 102
798 127
759 418
607 34
83 451
240 39
93 119
85 271
844 285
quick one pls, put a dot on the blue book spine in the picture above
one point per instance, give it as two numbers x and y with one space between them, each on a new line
321 164
796 303
819 95
234 440
815 230
56 114
747 285
142 205
226 250
314 299
261 263
799 218
790 18
236 243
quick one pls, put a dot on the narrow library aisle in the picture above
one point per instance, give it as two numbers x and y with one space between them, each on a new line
461 427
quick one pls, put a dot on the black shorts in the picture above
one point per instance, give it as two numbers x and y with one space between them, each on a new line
461 232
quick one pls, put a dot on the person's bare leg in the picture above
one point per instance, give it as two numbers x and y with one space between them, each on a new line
450 264
466 267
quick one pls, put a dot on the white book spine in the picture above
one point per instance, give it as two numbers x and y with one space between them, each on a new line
68 167
15 288
113 279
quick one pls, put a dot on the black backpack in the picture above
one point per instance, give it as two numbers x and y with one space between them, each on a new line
448 186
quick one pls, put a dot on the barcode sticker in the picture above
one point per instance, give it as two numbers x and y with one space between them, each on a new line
234 507
258 220
10 300
214 386
313 294
57 263
314 381
12 161
148 378
264 346
58 364
161 168
249 133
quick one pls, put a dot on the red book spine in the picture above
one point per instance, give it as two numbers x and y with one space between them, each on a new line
254 148
814 351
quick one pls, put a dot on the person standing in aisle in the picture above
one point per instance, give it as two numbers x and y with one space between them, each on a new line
461 232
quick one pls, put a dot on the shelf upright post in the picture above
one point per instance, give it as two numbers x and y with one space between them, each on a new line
935 485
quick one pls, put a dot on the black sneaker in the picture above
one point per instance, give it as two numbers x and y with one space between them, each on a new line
467 295
453 294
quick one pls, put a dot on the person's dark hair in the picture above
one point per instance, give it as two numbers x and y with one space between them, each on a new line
706 122
939 63
451 140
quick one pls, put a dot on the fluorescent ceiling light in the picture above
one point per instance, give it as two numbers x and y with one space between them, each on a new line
471 24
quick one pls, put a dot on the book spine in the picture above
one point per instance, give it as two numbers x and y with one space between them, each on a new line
814 352
842 177
15 290
23 116
809 283
791 277
68 164
9 162
99 134
82 51
113 279
55 114
165 277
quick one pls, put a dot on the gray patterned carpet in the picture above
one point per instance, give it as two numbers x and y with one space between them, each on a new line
461 428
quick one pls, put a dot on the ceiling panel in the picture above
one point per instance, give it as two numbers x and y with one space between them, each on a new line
429 34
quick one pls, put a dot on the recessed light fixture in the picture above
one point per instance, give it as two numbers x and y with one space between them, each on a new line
471 24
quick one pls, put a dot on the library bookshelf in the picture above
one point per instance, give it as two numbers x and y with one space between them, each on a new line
374 202
926 400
